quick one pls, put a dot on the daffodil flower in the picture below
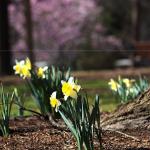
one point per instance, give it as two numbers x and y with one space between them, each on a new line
23 68
28 63
25 72
41 72
128 82
55 103
18 67
114 85
70 88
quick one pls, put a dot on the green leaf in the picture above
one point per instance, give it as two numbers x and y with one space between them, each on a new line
71 127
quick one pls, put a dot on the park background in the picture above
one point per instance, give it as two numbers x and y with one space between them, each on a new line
97 39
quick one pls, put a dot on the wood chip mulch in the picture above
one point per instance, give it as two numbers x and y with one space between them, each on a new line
33 133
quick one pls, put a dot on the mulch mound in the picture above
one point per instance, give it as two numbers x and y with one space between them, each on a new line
34 133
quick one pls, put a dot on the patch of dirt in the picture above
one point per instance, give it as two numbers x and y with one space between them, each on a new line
34 133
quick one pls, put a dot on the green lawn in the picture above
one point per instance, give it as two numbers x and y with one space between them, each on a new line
26 98
100 87
92 87
94 83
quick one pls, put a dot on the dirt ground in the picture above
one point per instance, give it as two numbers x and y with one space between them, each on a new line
33 133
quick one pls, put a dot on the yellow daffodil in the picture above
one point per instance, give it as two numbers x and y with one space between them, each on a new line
41 72
28 63
113 85
128 82
18 67
25 72
55 103
23 68
70 88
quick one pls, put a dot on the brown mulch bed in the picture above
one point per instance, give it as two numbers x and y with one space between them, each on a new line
33 133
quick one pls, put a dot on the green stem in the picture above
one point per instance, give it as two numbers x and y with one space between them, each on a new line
85 148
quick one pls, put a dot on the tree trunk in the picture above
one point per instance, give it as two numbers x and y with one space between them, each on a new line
135 114
29 30
136 19
5 53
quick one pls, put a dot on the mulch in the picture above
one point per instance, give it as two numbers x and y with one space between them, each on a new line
34 133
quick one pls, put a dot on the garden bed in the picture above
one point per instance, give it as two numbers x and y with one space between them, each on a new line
83 121
35 133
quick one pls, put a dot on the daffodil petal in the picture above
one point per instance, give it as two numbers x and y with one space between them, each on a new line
62 82
53 94
71 80
73 94
45 68
65 97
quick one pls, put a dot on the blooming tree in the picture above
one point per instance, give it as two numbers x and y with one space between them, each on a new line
62 25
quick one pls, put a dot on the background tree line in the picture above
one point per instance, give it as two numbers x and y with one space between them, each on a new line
97 25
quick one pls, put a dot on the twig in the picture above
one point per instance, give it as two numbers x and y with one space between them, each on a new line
122 133
26 109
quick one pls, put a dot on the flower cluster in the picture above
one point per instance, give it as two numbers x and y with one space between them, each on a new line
69 89
54 89
114 85
23 68
81 120
127 89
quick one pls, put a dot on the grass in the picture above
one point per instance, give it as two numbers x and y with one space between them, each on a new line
100 87
26 98
108 102
94 84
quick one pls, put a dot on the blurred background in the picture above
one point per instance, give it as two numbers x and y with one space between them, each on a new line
98 39
83 34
